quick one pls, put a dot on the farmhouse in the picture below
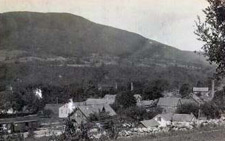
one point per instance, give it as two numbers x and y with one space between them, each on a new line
169 118
149 123
68 108
183 118
146 103
82 113
164 119
168 104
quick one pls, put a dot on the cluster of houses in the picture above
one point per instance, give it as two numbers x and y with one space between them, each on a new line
79 112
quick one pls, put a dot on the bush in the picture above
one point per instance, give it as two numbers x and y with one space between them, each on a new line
47 113
125 100
188 109
210 110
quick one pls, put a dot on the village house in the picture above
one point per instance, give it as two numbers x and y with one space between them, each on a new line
148 123
203 94
168 104
138 98
181 118
147 104
164 119
82 113
68 108
169 118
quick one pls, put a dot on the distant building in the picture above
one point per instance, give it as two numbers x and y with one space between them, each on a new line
82 113
138 98
110 98
168 104
68 108
183 118
146 103
164 119
200 89
149 123
169 118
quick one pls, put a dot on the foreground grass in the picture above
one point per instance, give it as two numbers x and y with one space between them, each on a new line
207 134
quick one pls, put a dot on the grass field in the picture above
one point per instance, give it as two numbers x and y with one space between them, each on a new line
201 135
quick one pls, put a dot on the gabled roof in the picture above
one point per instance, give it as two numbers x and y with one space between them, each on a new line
197 99
146 103
188 101
168 101
150 123
91 109
94 101
200 89
183 117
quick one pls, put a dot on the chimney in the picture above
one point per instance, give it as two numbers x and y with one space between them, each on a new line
116 86
213 89
131 86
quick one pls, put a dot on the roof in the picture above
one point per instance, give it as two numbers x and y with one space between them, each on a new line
150 123
188 101
93 101
200 89
183 117
53 107
197 99
90 109
167 117
146 103
109 96
168 101
31 118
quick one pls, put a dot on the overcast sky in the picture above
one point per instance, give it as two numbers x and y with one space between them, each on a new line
167 21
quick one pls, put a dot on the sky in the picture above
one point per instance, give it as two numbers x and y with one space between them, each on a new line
167 21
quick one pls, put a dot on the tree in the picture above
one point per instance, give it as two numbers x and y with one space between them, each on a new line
188 109
125 100
212 33
155 89
185 90
210 110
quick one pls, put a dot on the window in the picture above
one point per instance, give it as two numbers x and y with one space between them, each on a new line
159 118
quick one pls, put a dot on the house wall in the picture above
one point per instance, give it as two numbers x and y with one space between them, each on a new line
64 111
162 121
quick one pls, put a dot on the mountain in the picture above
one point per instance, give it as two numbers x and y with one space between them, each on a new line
63 39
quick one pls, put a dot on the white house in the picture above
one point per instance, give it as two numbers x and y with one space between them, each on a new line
169 118
164 119
68 108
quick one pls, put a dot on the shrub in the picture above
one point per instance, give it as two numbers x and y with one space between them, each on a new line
188 109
